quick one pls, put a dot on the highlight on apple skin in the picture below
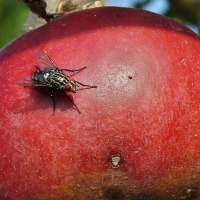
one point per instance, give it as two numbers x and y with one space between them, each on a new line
138 133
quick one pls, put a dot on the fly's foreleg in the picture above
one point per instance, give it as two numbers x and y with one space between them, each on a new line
89 86
72 102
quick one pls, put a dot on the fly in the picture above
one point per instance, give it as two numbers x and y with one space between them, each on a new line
49 76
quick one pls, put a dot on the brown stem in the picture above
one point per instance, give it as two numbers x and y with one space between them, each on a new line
45 11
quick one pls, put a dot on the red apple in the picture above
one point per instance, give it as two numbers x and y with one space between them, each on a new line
138 134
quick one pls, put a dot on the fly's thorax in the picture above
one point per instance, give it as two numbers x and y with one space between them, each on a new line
42 76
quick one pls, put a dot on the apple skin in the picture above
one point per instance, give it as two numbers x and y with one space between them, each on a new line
145 110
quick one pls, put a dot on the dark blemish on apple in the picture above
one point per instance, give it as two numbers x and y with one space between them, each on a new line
114 194
191 194
130 77
118 15
115 161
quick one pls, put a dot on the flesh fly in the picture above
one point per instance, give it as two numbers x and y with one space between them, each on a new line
49 76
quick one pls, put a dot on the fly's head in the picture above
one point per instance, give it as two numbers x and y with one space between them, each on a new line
71 86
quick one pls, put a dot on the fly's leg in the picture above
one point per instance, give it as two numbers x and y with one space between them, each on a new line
89 86
73 70
53 100
72 102
37 67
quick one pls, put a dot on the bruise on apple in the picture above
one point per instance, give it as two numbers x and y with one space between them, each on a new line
143 118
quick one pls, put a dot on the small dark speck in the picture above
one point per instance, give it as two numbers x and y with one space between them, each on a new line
118 15
130 77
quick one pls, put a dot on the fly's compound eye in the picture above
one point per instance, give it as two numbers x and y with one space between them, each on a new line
70 88
72 80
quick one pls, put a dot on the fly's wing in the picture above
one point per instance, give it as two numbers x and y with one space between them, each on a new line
44 61
28 82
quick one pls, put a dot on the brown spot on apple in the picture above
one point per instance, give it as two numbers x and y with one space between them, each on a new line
115 161
130 77
118 15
